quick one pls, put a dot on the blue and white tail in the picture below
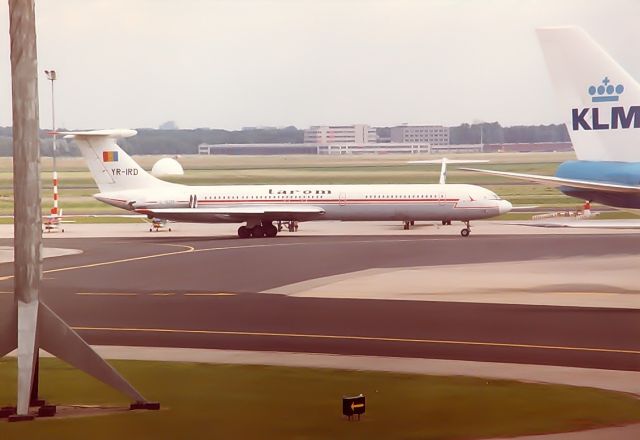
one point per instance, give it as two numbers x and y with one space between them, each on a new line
110 166
600 101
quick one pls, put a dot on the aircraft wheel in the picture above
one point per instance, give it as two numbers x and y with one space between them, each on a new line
244 232
270 230
257 232
150 229
169 229
465 232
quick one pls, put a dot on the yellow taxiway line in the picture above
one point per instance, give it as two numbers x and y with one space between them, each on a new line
106 293
106 263
210 294
151 294
361 338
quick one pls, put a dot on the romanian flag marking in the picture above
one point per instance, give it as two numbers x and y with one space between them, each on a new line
109 156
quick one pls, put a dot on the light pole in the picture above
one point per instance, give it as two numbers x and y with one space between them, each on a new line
51 76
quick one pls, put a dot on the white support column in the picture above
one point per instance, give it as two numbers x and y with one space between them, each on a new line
26 184
27 352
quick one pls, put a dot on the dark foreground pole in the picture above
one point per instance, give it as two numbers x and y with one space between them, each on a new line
30 324
26 186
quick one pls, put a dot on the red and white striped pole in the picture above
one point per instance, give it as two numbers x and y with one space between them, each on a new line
51 76
54 210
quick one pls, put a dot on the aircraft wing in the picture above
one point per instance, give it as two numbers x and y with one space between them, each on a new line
241 212
559 181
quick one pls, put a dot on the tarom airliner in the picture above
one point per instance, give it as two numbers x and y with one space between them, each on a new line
124 184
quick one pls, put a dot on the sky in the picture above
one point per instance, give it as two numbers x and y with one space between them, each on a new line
236 63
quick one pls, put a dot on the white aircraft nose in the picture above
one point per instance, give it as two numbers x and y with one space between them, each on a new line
504 206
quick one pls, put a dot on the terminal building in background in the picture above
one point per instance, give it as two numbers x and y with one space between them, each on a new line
340 134
330 149
427 134
363 139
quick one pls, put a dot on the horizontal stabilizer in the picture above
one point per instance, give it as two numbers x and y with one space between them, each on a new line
558 181
112 133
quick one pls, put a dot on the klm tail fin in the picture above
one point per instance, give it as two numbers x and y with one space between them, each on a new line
600 101
111 167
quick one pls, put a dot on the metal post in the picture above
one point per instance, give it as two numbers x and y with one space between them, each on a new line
26 185
52 77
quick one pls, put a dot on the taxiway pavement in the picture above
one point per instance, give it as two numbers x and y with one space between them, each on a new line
200 291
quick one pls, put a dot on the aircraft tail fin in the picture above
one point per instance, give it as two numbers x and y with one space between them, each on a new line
600 101
110 166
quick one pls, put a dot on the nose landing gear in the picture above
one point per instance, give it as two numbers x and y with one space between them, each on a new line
466 231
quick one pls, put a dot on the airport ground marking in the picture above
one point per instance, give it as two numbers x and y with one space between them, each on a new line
187 249
303 243
191 249
150 294
106 294
210 294
360 338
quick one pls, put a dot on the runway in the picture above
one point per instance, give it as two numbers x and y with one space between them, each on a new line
203 292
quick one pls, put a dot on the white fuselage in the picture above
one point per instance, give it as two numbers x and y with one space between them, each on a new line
338 202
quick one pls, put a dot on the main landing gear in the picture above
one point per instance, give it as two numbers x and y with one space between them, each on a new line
466 231
265 229
407 224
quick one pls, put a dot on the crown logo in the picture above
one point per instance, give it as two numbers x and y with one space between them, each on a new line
605 91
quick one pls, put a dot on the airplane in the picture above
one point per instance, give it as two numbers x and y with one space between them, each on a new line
124 184
600 102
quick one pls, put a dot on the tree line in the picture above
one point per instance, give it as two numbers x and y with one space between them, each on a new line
152 141
494 133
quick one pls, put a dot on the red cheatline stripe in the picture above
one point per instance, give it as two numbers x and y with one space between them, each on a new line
279 201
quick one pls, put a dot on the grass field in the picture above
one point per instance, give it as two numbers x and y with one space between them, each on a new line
77 186
254 402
